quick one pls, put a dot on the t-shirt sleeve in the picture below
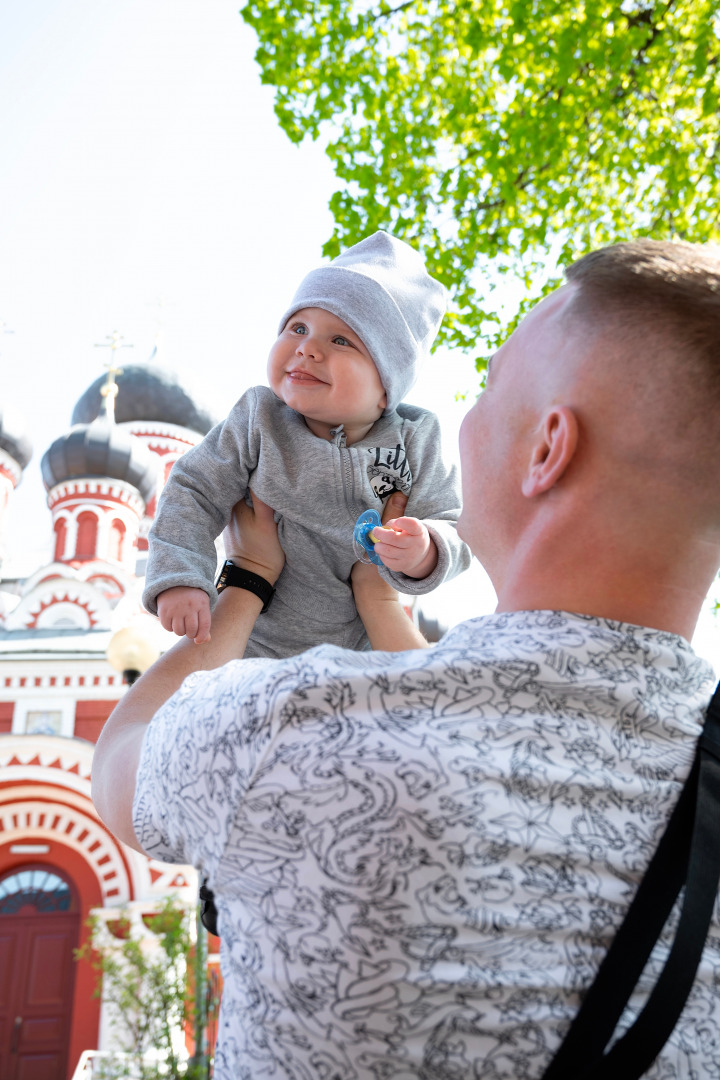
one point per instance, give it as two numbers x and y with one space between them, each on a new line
198 757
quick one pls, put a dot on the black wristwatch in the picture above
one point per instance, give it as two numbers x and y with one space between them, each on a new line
244 579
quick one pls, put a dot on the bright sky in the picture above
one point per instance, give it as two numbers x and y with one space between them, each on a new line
145 187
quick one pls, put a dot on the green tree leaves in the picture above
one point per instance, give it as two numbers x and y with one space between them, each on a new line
501 136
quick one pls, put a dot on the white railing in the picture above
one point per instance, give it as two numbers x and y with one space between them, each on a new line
90 1065
97 1064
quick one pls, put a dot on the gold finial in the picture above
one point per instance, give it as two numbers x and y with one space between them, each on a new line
109 391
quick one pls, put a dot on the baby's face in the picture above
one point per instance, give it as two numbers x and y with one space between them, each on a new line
321 368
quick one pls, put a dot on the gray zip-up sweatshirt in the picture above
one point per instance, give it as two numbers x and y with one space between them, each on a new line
317 489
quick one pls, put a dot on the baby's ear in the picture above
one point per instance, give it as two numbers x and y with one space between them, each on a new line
383 401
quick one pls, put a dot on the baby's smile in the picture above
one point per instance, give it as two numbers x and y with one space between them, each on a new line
298 375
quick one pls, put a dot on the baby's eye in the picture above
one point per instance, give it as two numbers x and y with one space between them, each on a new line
340 340
298 328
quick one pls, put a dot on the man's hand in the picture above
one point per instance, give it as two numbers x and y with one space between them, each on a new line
186 612
251 540
378 604
405 546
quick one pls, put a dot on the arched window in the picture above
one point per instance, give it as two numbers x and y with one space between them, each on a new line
117 536
86 536
60 538
41 889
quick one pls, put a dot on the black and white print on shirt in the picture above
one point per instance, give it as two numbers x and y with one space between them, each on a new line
388 471
420 858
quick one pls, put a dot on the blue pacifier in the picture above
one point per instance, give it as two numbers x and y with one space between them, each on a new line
363 540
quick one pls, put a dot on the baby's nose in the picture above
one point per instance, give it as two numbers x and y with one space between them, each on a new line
310 347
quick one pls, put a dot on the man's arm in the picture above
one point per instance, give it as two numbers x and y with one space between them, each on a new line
251 538
384 618
386 623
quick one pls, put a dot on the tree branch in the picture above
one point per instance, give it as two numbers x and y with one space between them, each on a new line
392 11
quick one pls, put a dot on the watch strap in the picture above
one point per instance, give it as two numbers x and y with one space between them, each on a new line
236 577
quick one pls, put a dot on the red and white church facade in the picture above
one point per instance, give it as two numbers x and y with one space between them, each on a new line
58 862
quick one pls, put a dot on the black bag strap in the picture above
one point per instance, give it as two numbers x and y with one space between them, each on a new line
208 911
688 854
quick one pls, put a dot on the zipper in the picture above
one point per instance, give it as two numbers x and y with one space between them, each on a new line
339 439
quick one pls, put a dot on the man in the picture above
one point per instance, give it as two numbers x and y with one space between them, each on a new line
420 858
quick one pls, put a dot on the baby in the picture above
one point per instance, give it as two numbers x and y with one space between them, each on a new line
329 439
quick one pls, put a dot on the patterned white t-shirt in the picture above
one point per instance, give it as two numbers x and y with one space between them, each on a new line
420 858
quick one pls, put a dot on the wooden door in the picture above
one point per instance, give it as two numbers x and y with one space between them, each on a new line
37 974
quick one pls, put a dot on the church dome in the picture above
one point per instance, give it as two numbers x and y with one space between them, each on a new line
13 439
100 450
145 393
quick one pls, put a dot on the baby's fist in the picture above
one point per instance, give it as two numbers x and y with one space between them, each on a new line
405 546
185 611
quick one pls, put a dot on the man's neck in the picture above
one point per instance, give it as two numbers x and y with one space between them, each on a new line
595 573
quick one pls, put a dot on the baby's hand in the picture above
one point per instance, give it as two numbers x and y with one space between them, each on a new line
405 545
185 611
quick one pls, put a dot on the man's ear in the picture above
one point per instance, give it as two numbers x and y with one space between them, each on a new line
553 450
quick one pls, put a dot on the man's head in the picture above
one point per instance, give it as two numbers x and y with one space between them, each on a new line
668 292
381 290
647 313
598 427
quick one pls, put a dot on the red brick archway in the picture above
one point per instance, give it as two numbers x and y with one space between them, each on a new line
84 1012
39 929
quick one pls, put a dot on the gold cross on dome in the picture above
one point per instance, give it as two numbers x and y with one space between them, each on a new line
109 390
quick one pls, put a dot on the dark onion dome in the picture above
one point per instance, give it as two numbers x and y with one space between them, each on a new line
145 393
101 451
13 439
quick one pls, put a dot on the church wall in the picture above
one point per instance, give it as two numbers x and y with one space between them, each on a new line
6 716
57 691
47 820
58 695
10 473
90 717
85 1008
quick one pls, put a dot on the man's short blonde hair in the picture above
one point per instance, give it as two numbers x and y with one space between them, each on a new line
658 292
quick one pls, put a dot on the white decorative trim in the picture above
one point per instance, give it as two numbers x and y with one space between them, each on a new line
88 568
109 687
162 435
91 607
98 491
53 571
56 757
62 780
64 706
154 880
29 819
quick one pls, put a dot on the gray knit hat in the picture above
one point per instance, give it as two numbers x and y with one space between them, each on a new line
381 289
